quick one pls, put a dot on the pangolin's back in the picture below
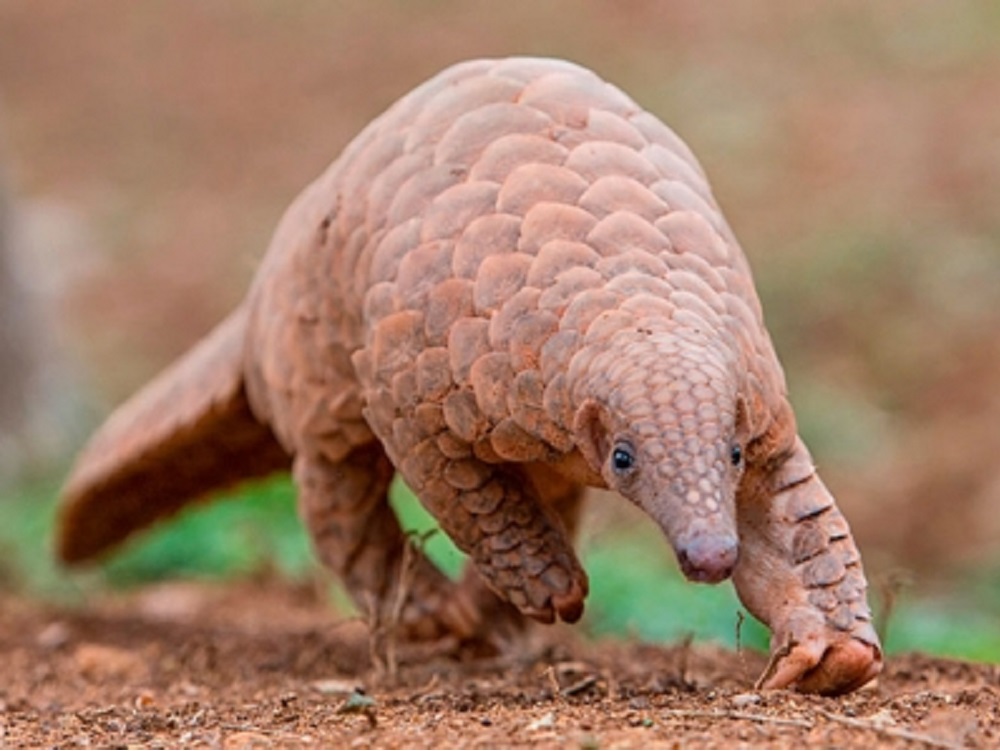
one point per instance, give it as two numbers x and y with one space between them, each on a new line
535 150
495 206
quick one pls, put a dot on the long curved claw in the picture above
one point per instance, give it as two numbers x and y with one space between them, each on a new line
821 660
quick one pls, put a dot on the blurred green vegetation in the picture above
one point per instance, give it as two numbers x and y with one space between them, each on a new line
636 588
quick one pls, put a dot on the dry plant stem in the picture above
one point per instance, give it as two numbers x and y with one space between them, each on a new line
733 715
550 674
581 685
740 618
385 627
889 589
403 585
685 655
877 727
375 635
611 683
772 664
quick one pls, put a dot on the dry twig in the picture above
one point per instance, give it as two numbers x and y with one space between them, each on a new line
406 569
883 729
375 631
384 632
728 714
550 673
880 728
740 618
889 587
581 685
685 654
772 664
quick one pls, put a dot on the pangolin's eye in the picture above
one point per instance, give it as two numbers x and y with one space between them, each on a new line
622 458
736 455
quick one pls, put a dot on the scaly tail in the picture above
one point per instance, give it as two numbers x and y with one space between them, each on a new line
188 432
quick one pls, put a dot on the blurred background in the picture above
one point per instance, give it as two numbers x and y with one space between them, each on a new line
148 149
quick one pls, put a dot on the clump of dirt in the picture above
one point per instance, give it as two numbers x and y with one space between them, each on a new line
266 665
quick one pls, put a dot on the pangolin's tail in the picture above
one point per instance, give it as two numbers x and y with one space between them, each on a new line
187 432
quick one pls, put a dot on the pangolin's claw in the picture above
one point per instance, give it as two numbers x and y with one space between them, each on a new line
821 660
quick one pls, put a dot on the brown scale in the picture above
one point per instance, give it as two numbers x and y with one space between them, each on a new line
511 286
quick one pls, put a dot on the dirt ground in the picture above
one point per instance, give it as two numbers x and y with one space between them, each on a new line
267 665
853 149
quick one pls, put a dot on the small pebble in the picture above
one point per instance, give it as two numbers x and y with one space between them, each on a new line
145 700
882 718
545 722
103 662
247 739
639 702
331 686
53 636
746 700
358 702
189 689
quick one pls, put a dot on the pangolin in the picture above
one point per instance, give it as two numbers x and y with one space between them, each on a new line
512 285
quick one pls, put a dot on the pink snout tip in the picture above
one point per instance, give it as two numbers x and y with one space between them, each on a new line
708 558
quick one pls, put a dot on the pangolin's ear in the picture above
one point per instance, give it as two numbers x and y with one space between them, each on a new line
593 435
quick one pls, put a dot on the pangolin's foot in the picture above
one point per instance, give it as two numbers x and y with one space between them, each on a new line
499 626
426 610
811 656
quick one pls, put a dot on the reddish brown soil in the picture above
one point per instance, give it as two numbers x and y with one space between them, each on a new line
851 146
266 665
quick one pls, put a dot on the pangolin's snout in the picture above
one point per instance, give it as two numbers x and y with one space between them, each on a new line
706 557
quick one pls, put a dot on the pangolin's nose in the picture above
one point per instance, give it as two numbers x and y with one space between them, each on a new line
708 558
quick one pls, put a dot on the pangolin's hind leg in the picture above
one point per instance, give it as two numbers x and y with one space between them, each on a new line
501 622
356 534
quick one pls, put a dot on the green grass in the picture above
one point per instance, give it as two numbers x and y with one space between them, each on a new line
234 535
636 589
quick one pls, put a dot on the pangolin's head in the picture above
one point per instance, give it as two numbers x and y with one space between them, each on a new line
661 417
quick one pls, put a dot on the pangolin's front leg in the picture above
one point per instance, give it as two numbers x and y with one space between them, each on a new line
799 571
356 534
500 620
494 514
